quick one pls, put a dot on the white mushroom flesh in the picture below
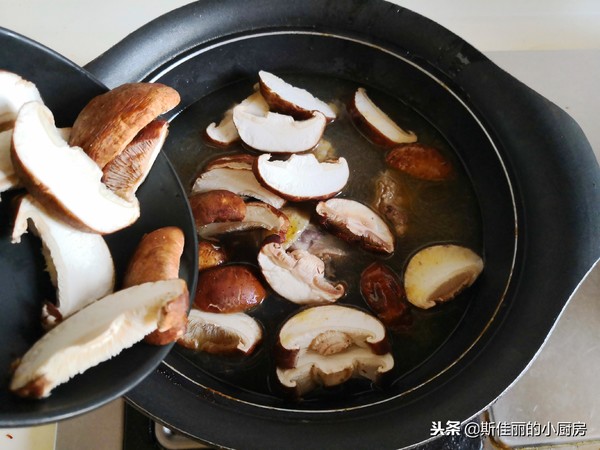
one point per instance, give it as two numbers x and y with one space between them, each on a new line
315 370
8 177
255 104
302 177
225 133
65 176
239 181
327 345
380 120
301 330
221 333
297 276
440 272
278 133
298 97
93 335
14 93
79 263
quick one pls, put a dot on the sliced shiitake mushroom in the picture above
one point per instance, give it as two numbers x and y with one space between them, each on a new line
257 215
64 179
157 257
392 202
126 172
8 177
297 276
278 133
302 177
15 91
210 255
438 273
355 222
236 161
225 133
384 292
229 289
235 175
420 161
220 333
111 120
284 98
80 264
376 124
327 345
95 334
218 206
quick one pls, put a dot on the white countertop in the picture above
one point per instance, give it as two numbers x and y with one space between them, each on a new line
567 72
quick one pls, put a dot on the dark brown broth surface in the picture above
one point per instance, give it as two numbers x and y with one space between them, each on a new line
439 212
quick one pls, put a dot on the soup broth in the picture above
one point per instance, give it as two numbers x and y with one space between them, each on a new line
437 212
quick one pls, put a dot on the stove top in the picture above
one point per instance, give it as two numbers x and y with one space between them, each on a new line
142 433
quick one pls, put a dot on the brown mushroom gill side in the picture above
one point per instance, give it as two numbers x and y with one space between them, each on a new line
356 223
127 171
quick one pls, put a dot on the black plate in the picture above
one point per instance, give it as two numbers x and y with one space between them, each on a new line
66 88
532 169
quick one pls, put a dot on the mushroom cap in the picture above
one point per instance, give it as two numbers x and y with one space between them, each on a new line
439 273
297 276
284 98
258 215
93 335
157 257
376 124
302 177
384 292
278 133
80 264
64 179
221 333
210 255
355 222
228 289
111 120
218 206
15 91
420 161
